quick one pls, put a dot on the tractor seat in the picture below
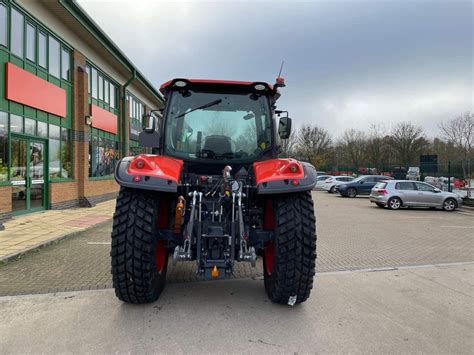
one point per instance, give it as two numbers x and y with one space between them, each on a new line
218 144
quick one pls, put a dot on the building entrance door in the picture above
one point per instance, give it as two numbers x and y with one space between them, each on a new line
28 173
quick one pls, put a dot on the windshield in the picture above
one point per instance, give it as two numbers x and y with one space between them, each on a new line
217 126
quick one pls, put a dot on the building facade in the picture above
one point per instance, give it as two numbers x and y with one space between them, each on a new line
71 105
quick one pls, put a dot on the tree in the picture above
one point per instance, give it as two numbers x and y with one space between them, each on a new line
353 144
312 144
408 142
445 150
377 150
288 146
460 132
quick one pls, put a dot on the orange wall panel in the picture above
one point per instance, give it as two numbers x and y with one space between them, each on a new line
103 119
28 89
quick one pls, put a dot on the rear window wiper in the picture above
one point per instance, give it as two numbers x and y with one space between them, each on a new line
209 104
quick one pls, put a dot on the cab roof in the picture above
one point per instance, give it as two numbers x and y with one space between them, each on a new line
205 84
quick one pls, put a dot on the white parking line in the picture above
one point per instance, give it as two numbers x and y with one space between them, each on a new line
394 268
99 243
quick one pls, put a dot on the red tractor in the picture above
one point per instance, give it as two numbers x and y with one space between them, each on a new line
215 192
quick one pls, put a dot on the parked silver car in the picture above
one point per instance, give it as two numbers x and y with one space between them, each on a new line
331 183
396 194
320 181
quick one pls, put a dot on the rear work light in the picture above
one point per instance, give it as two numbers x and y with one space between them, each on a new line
180 84
292 168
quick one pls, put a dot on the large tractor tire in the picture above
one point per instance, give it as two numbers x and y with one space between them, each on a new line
139 261
289 262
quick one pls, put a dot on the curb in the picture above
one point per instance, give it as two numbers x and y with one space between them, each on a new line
17 255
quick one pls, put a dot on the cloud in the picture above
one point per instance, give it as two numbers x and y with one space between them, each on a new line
347 63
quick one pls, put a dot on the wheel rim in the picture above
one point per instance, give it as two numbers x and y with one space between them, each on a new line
269 251
449 205
331 189
161 253
352 193
395 204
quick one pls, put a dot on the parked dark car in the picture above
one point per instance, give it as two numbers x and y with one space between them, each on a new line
361 185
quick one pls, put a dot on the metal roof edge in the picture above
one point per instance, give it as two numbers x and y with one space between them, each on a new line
94 29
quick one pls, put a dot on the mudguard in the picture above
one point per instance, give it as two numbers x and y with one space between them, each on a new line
276 176
153 172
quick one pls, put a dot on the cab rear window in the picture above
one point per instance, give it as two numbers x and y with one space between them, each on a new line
380 185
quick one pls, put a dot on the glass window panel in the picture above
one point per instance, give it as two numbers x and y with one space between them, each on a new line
3 146
42 49
54 131
54 158
112 95
66 163
94 156
17 33
3 25
30 42
16 124
3 124
94 83
18 173
101 87
42 129
106 91
102 159
37 164
130 105
88 70
30 126
54 152
18 160
54 57
65 64
424 187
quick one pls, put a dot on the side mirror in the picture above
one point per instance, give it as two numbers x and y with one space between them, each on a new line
361 182
149 122
436 190
284 127
150 137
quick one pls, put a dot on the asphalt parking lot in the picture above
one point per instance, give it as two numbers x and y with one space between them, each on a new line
352 235
425 310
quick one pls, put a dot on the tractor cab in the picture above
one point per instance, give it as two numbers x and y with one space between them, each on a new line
217 121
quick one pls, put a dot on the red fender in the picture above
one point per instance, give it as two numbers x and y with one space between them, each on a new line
156 165
277 169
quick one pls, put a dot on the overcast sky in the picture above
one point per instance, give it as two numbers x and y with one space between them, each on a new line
348 64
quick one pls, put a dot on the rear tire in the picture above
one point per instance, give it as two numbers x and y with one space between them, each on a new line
332 189
351 192
394 203
450 204
289 261
139 261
